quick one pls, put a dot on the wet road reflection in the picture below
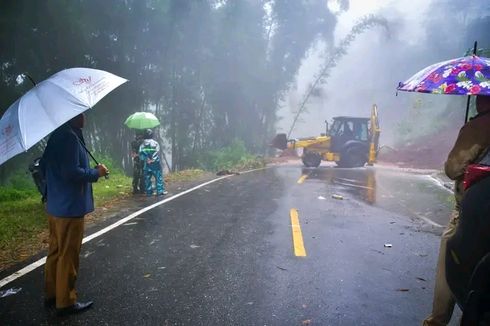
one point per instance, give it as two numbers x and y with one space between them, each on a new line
414 194
360 182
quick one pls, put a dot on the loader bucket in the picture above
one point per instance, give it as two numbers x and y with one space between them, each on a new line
280 142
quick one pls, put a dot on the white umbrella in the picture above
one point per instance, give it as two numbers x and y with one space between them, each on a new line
50 104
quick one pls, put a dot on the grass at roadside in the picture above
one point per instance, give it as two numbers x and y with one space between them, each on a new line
182 176
23 219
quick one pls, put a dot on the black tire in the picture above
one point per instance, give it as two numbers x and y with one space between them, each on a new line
311 160
353 157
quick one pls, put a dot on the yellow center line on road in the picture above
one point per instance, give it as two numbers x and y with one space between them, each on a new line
302 178
299 247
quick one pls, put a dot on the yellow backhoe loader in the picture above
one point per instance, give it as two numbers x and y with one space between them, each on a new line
350 142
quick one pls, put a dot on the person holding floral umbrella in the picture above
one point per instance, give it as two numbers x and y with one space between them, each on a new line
469 75
472 143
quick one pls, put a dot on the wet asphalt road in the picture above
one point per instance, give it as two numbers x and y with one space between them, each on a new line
223 255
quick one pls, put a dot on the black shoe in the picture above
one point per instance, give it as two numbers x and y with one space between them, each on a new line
50 303
76 308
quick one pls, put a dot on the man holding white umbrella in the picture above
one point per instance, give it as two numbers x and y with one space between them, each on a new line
69 198
57 104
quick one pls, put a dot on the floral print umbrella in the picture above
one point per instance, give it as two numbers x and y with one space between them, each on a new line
462 76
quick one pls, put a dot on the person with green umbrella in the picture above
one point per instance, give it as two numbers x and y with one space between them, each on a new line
140 121
149 153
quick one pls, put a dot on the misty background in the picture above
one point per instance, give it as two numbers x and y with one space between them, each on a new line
418 33
232 73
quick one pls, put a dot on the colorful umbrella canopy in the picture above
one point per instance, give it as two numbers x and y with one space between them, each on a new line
142 120
468 75
50 104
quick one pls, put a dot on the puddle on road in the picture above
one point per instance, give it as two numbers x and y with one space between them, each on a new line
411 194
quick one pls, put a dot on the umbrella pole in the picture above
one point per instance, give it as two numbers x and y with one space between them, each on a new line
468 101
30 78
88 152
467 109
93 158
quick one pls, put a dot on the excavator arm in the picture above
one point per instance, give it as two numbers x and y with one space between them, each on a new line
281 142
374 133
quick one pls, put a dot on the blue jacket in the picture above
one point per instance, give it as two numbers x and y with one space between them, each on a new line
68 175
150 150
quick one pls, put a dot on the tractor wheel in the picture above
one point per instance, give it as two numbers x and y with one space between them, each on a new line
353 157
311 160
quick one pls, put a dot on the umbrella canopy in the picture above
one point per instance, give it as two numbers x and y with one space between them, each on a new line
50 104
142 120
468 75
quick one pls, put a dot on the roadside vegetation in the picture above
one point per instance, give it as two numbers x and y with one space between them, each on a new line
234 157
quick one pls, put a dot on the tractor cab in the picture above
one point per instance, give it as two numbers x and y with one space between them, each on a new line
348 129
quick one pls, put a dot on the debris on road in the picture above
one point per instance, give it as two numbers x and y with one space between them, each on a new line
402 290
162 267
131 223
339 197
281 268
146 275
307 322
9 292
193 246
321 198
421 279
388 245
227 172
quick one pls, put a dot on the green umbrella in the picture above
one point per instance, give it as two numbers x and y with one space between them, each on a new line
142 120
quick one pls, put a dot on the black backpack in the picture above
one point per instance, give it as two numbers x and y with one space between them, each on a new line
37 173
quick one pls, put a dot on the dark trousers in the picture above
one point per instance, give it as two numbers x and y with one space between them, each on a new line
138 177
61 270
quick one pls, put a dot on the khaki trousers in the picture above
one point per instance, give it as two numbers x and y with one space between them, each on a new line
65 242
443 302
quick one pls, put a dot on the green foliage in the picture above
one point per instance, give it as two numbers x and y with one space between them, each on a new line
231 157
116 185
109 162
20 219
18 186
21 211
22 214
184 175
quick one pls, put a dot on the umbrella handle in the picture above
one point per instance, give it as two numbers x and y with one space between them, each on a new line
93 158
